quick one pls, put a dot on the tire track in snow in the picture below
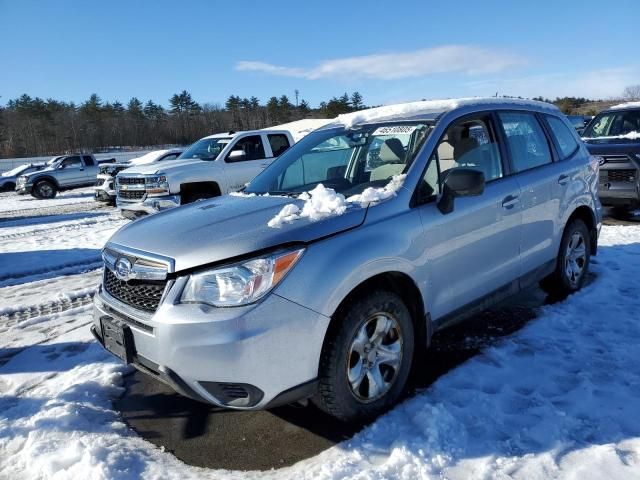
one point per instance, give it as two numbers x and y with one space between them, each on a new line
67 268
62 228
12 316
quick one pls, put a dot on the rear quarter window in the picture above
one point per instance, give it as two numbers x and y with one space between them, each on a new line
563 137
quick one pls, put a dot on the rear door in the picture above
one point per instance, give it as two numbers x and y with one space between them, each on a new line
242 172
538 175
473 251
90 169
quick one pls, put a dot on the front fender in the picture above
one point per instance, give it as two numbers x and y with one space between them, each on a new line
331 268
31 181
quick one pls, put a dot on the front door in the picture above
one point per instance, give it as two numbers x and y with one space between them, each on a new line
71 172
241 172
474 250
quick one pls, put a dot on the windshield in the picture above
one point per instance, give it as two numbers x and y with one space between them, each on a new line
52 161
614 124
346 160
206 149
16 171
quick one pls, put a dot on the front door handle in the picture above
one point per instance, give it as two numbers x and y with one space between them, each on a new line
510 201
563 179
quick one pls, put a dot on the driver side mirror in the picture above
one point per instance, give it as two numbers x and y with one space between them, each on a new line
236 156
460 182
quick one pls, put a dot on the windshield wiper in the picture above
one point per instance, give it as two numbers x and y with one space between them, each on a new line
284 193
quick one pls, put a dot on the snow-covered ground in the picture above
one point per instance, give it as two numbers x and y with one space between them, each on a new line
558 399
10 202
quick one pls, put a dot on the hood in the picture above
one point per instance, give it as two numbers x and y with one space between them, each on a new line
39 172
612 146
226 227
153 168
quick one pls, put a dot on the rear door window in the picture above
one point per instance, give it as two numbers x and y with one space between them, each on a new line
564 138
88 161
526 140
71 162
279 143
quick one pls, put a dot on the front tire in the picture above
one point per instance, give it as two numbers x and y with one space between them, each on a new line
44 189
572 263
366 359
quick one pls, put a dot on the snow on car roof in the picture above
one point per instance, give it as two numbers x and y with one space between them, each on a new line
625 105
401 110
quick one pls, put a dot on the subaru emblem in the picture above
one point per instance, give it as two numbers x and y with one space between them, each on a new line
123 269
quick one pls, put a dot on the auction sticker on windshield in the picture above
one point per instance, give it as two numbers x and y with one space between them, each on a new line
395 130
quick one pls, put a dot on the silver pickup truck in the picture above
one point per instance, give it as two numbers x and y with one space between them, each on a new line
61 173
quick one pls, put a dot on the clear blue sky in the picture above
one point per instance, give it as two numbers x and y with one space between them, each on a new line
389 51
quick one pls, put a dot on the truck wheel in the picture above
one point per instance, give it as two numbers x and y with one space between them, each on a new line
573 261
44 189
366 358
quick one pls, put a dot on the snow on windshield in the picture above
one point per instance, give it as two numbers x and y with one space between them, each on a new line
322 202
627 136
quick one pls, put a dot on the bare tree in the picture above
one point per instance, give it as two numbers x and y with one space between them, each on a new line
631 93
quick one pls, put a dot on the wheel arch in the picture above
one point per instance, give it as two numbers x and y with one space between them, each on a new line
405 287
585 214
46 177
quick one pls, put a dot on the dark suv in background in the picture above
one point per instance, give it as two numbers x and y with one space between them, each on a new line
614 136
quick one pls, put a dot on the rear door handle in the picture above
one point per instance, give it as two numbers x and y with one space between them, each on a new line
563 179
510 201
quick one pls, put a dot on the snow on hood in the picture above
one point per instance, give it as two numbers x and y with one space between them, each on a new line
153 168
389 112
322 202
147 157
627 136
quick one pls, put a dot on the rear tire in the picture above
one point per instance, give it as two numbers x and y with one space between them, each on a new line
366 358
44 189
572 265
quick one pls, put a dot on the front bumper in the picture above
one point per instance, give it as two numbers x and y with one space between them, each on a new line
24 188
270 350
147 206
619 182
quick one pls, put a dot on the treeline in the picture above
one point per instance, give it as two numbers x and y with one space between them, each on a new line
34 126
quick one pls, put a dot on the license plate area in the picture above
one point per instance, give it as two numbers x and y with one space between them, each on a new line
117 338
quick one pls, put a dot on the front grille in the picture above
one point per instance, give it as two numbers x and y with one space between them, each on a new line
131 194
616 159
131 180
141 294
621 175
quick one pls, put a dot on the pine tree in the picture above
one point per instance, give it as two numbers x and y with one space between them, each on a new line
356 101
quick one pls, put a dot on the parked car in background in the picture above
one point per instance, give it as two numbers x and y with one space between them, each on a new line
614 136
61 173
9 178
326 277
579 122
212 166
105 180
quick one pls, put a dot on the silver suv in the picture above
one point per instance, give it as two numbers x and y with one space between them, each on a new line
328 275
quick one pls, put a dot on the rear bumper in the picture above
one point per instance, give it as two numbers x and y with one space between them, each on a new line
147 206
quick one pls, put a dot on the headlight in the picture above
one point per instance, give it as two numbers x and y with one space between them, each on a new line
157 185
242 283
22 179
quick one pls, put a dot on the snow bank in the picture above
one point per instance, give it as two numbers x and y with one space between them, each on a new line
389 112
322 202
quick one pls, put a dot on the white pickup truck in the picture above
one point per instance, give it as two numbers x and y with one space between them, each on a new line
60 173
213 166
